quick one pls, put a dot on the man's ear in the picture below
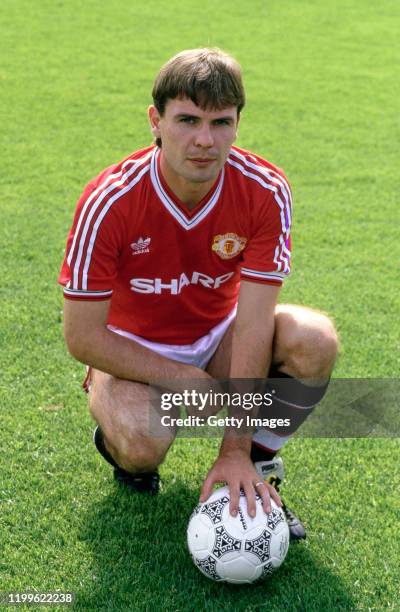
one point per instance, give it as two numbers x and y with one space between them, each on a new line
237 125
154 119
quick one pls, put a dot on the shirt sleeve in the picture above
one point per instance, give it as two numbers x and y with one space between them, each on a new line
90 264
267 256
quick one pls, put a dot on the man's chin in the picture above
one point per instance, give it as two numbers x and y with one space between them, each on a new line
202 179
203 176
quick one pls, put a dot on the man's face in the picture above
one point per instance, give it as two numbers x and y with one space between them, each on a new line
195 142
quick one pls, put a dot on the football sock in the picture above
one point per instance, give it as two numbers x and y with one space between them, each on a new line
292 400
259 453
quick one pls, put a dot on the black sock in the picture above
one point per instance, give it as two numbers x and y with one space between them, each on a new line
293 401
258 453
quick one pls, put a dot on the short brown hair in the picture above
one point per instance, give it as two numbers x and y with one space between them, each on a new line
209 77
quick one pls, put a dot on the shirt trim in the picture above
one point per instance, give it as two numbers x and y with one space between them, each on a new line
186 222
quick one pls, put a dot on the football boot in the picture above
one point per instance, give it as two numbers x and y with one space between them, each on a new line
143 482
273 473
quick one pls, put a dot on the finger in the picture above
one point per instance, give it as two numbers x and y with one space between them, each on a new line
263 491
251 500
274 494
207 488
234 492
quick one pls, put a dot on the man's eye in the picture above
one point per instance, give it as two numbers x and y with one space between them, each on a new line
187 119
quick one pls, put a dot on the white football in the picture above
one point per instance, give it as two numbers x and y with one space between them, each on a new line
238 549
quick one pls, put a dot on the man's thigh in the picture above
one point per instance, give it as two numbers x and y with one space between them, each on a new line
296 329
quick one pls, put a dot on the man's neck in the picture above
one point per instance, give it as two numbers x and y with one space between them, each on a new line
191 195
187 192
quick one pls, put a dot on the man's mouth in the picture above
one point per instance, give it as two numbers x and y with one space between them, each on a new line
202 160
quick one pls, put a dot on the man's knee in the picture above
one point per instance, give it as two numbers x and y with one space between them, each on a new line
135 452
307 342
123 412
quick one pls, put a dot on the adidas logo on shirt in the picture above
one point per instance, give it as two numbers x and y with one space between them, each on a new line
141 246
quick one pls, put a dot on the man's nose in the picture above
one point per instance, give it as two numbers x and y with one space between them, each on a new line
204 136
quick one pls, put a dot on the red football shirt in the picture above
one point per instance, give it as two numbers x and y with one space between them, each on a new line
173 274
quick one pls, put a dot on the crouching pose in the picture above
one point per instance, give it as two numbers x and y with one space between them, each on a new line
172 271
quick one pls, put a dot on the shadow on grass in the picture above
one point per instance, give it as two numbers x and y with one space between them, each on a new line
140 562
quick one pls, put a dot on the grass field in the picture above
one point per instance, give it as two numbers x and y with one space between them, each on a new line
323 91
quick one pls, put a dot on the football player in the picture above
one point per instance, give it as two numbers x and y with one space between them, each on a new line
172 272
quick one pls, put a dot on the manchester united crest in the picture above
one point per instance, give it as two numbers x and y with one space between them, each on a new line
228 245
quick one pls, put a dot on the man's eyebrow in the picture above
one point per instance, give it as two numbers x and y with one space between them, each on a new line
186 115
192 116
226 118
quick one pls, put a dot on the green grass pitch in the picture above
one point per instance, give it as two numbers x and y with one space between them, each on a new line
323 90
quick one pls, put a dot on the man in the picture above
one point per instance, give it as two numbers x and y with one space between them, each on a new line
172 271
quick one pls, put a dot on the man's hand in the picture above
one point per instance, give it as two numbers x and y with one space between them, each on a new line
237 470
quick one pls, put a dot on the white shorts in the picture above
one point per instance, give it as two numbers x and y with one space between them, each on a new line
197 354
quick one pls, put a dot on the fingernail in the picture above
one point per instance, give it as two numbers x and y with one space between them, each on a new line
234 513
252 513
